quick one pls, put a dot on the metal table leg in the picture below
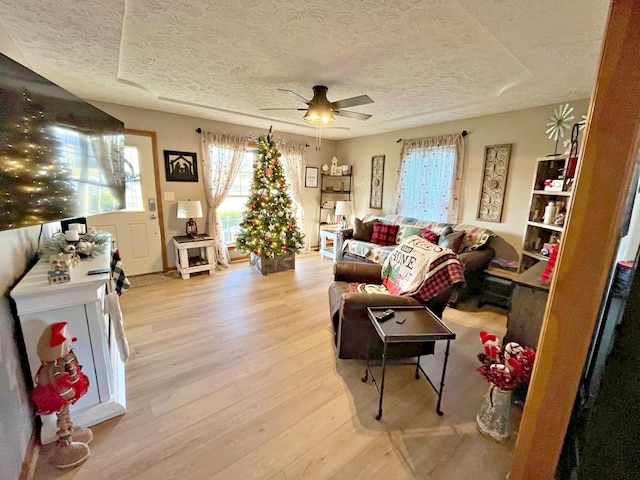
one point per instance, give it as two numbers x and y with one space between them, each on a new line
384 365
366 368
444 371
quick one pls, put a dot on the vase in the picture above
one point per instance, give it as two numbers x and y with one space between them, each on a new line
493 418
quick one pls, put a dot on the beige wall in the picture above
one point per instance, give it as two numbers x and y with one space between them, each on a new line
524 129
178 132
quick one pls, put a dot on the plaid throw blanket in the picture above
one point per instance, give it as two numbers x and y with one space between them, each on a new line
416 268
119 279
420 269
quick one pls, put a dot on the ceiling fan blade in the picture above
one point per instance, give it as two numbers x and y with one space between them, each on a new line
294 95
351 102
348 114
299 109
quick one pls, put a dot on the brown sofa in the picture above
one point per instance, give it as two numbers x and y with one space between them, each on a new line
475 253
351 326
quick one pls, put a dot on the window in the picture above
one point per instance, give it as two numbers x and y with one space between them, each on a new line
427 181
231 208
75 150
133 187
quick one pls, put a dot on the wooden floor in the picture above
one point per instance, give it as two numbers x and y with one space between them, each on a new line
234 376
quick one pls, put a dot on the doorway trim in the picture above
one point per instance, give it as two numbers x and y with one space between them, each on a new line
154 147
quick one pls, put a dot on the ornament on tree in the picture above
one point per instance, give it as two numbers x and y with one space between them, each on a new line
270 208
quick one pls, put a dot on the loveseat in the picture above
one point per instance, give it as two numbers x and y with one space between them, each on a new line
471 243
417 273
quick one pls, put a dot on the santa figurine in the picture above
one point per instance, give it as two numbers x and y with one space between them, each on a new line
60 383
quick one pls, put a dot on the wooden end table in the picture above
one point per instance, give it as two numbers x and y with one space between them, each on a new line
328 236
410 325
187 265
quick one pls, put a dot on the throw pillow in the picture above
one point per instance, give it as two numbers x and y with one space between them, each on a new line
362 231
406 231
384 234
433 237
452 241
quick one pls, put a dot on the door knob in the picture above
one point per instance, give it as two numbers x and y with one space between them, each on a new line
153 217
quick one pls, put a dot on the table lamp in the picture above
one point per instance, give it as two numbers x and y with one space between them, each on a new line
190 209
343 210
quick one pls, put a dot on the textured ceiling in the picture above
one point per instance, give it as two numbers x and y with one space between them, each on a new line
421 61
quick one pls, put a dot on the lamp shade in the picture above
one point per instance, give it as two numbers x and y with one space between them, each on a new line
189 209
343 208
318 115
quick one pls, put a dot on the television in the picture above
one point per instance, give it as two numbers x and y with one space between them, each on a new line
60 157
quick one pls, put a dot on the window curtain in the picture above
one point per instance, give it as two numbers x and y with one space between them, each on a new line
109 151
292 156
430 178
222 156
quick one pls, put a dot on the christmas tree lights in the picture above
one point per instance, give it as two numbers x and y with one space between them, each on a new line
36 185
268 225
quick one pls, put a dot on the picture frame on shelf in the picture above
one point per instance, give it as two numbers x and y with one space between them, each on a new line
377 181
311 177
494 182
181 166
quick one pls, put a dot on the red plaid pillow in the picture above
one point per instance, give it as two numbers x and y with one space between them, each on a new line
384 234
433 237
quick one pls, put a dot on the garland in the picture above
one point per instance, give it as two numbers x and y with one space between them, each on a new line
89 245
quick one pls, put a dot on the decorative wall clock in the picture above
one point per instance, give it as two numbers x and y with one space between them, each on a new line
377 179
494 181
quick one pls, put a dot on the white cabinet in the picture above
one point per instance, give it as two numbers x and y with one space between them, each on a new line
80 303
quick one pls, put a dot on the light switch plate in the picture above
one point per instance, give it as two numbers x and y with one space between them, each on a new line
168 196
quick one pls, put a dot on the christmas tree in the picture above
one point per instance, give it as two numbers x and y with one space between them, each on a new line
36 185
268 224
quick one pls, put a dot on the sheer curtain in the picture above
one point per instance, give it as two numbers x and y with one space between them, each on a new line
430 178
109 151
293 166
222 156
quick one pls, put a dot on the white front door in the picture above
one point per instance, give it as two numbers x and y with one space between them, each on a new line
136 231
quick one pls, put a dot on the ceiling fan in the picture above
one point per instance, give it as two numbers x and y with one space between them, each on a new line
320 110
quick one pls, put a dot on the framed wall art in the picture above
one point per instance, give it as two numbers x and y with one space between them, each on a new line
494 181
311 177
180 166
377 180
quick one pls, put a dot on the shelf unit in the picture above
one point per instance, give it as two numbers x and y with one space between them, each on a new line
536 232
332 189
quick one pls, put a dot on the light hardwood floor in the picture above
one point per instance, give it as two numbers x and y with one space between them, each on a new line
234 376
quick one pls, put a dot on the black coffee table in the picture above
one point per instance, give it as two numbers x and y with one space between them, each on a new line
410 325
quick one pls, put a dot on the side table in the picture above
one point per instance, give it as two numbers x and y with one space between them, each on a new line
497 287
409 325
328 234
187 265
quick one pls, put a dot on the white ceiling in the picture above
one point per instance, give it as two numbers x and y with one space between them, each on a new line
421 61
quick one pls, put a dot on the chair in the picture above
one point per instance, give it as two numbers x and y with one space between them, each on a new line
351 325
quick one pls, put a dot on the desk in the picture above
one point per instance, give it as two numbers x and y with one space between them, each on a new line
187 265
528 302
420 327
328 234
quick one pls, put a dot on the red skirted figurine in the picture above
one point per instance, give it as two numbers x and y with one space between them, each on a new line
60 383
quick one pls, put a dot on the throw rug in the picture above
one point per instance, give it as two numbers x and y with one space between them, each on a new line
148 279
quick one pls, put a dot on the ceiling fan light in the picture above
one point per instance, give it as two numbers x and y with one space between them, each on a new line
318 115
